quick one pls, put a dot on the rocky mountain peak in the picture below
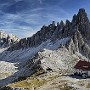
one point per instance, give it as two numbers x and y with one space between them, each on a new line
82 16
83 23
81 10
81 20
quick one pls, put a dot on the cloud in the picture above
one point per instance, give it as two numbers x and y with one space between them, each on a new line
29 21
19 24
25 17
36 9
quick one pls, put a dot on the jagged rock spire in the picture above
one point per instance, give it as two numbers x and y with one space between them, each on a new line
62 24
74 20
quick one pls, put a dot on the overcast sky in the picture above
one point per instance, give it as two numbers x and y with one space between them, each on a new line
25 17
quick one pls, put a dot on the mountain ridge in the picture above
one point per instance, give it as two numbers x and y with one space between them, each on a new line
54 48
80 23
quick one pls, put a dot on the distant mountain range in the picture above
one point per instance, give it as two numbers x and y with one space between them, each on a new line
7 40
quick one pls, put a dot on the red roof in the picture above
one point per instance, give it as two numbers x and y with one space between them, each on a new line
83 65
